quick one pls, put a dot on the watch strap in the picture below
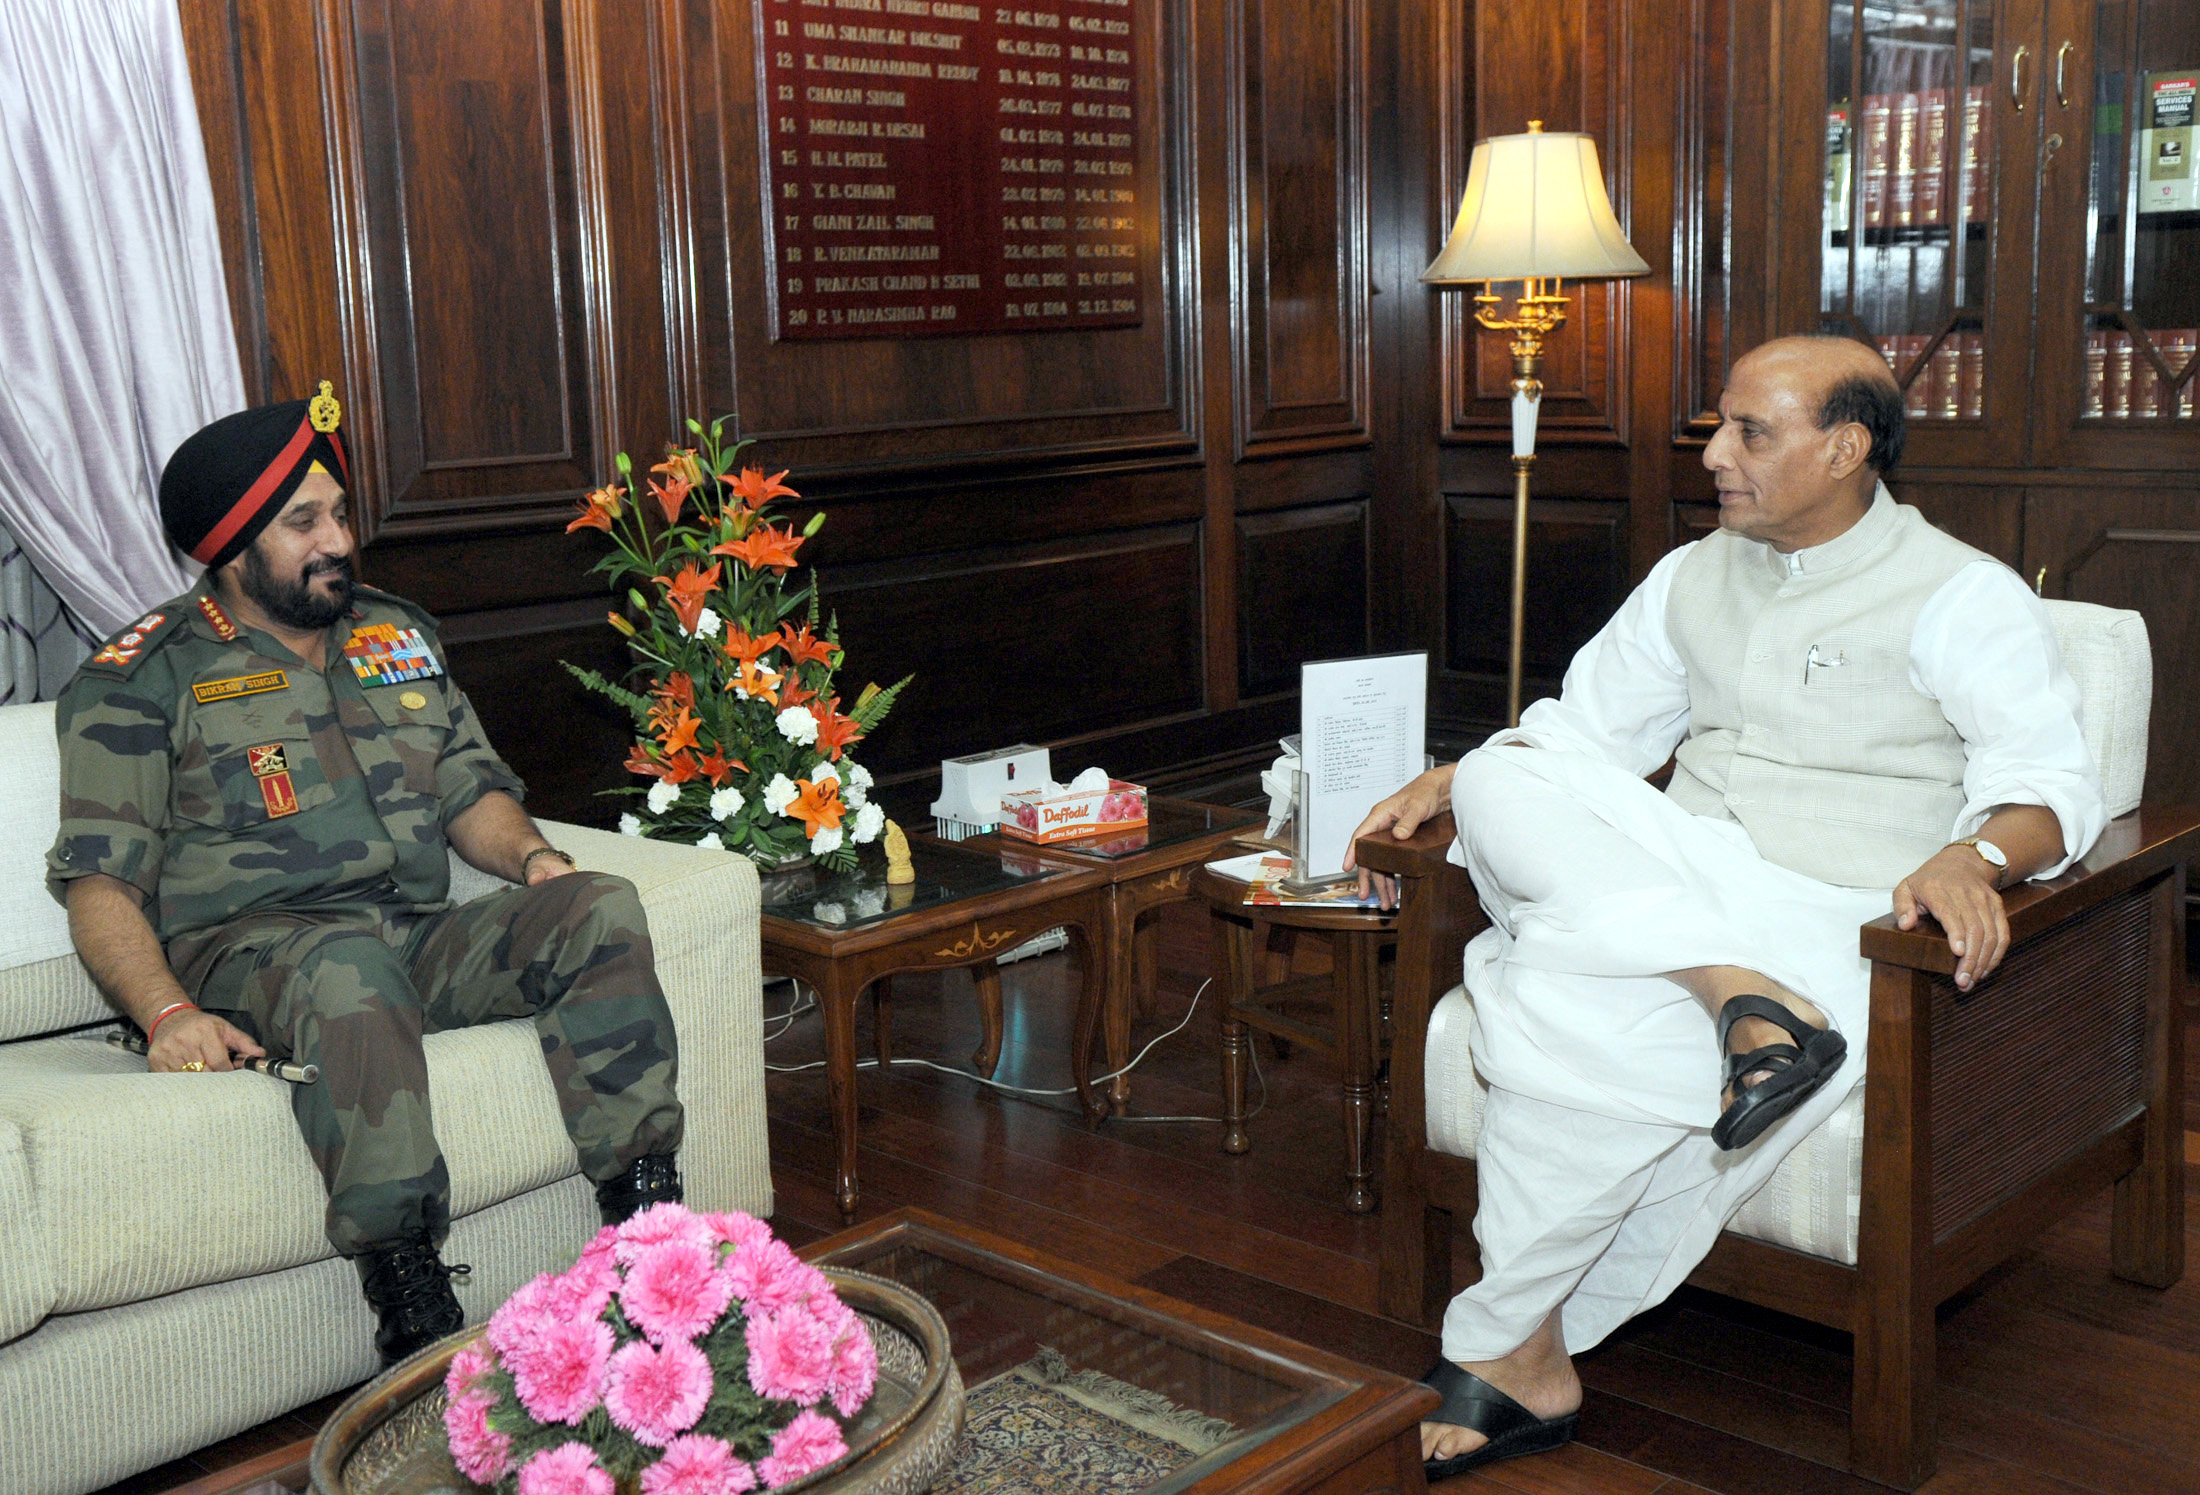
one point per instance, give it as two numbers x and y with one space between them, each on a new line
527 862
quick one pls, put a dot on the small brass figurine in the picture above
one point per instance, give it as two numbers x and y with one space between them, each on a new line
898 869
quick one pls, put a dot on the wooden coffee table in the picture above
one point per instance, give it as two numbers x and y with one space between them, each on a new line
1304 1420
840 933
1145 869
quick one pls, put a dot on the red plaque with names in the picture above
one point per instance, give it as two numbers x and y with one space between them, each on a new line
936 166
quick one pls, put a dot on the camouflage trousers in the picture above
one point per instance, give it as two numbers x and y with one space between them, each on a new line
355 988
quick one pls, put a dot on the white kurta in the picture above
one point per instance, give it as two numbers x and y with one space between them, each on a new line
1600 1186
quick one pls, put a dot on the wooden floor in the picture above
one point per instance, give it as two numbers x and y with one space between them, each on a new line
2054 1376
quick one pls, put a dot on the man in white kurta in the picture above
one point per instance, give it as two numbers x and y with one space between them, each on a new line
1863 713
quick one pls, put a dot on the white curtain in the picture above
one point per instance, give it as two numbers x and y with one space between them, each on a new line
40 644
115 335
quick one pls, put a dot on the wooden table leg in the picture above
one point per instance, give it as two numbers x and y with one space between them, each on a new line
1119 941
839 1004
882 1021
1091 997
1234 956
1353 982
986 977
1146 965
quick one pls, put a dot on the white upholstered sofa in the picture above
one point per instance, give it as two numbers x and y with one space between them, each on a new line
164 1279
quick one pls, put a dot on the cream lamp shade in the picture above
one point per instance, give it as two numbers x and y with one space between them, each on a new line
1535 208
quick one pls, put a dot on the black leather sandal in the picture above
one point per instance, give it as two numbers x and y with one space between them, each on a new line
1792 1074
1473 1403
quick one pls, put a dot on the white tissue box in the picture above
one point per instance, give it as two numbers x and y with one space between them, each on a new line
971 787
1036 815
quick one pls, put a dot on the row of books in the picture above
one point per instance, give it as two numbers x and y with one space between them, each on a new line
1951 386
1899 155
2122 383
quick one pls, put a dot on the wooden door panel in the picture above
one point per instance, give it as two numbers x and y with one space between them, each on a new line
1577 577
1302 592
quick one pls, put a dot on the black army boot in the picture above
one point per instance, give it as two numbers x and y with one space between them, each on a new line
652 1180
410 1288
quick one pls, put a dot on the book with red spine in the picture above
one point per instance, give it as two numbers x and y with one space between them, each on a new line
2146 384
1878 126
1932 157
1902 168
1971 375
2096 376
2116 385
1947 393
1917 396
1970 207
2179 345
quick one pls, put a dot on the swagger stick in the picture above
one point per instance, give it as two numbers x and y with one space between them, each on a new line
281 1069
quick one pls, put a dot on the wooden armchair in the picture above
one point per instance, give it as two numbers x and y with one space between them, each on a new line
1988 1115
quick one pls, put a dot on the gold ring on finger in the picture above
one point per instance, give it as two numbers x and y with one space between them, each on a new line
195 1066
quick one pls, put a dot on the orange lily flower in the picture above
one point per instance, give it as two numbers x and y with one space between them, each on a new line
806 648
681 467
834 731
718 768
670 495
817 806
677 692
680 768
754 680
756 490
764 547
740 647
792 693
639 761
687 592
597 510
679 734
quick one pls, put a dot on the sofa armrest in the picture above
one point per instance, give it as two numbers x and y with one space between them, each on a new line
704 922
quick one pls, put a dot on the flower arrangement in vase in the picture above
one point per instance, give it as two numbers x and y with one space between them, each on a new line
738 724
682 1354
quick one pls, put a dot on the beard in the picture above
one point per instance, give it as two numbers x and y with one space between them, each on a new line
293 602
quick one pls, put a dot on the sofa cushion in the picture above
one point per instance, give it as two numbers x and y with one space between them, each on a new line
42 987
1810 1204
2106 652
26 1278
146 1184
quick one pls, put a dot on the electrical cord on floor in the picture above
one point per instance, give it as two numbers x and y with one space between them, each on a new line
804 1005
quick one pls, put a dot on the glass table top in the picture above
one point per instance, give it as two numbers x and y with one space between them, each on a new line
946 873
1217 1401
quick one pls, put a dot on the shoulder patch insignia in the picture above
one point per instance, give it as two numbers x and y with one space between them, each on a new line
224 630
384 654
124 649
240 685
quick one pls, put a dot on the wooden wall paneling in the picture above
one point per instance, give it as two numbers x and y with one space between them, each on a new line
870 409
1299 175
1709 245
1577 576
564 741
1989 516
2137 548
210 49
1302 592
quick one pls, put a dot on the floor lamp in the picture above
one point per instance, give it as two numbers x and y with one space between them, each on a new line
1535 211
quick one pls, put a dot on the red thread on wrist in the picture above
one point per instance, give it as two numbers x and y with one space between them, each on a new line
164 1014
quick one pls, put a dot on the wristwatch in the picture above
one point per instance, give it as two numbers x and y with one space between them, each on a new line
1993 855
528 861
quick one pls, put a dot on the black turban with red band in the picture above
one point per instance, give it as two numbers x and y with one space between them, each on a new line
224 484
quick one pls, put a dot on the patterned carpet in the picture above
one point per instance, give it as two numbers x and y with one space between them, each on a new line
1046 1429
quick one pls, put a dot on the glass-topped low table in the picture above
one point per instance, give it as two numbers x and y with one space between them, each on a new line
1103 1385
840 933
1145 869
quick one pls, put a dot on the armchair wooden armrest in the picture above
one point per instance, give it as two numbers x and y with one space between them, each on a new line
1989 1114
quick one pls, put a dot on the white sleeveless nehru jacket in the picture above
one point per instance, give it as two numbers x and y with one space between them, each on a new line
1803 723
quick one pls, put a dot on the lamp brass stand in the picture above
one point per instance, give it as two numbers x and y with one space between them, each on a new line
1539 312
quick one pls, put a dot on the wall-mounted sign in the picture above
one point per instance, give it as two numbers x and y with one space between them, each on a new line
936 166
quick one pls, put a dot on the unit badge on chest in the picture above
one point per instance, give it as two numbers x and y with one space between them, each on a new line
271 770
383 654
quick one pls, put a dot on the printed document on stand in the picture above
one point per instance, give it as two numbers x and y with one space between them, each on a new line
1364 726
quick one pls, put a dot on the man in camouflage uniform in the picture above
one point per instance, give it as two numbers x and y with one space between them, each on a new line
259 780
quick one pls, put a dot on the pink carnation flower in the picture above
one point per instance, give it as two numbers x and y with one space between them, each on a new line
803 1446
767 1276
854 1370
657 1392
674 1290
568 1469
559 1373
467 1366
481 1453
698 1465
790 1355
524 1314
657 1224
738 1229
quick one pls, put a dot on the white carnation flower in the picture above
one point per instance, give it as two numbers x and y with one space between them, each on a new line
662 797
707 624
870 820
824 772
859 776
798 726
779 794
630 825
825 840
711 842
725 803
853 795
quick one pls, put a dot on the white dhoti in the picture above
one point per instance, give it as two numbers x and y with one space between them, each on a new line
1600 1186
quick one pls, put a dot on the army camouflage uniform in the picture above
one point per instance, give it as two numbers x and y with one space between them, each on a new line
287 829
